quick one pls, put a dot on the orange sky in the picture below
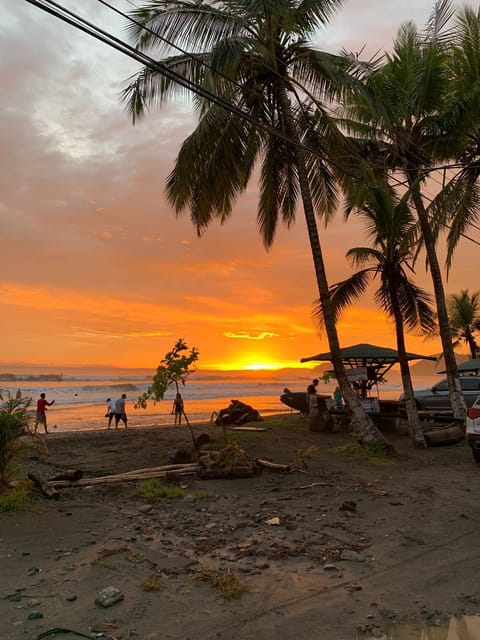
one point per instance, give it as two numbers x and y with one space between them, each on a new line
96 267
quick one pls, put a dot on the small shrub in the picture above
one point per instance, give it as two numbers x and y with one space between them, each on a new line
150 584
372 453
16 441
151 489
226 584
16 499
301 454
201 494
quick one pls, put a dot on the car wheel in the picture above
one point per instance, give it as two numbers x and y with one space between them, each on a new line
476 454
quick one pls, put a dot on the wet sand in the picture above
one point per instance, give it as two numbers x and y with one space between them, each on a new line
358 547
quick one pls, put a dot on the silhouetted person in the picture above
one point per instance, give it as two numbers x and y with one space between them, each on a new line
41 416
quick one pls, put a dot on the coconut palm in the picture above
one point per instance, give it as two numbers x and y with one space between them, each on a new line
406 125
464 316
393 231
256 57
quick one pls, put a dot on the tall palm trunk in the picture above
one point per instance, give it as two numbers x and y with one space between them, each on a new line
367 432
456 397
414 425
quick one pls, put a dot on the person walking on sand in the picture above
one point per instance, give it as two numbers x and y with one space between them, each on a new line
120 413
110 411
41 416
177 409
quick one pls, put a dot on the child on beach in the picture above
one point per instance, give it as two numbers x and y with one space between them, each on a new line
110 411
177 409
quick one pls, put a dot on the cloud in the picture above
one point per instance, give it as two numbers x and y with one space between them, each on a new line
247 336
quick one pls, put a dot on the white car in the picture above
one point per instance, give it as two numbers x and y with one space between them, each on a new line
473 429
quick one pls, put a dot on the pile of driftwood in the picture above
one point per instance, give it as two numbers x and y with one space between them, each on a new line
237 413
229 462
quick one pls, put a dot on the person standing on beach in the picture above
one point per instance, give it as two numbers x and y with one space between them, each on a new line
18 395
177 409
312 397
110 411
120 413
41 416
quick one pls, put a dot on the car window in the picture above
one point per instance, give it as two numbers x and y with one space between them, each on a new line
441 386
470 384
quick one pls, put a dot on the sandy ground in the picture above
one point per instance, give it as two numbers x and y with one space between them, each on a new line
359 546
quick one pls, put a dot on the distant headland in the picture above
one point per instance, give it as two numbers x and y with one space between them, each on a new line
43 377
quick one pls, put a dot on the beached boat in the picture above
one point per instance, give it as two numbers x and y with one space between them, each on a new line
297 400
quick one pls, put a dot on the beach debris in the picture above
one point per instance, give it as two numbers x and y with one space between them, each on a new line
237 413
51 633
129 476
274 466
68 474
348 505
43 484
353 556
109 596
273 522
225 473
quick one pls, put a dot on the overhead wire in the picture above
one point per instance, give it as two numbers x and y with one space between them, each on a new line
64 14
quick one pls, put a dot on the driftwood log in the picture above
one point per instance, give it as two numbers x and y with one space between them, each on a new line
129 476
275 466
226 472
69 474
43 484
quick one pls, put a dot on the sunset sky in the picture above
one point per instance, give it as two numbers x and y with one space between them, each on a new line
96 268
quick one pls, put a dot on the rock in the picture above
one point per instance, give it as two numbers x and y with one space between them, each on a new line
330 567
145 508
35 615
108 596
353 556
348 505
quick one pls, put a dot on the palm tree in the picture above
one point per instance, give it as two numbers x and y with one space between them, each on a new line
393 231
405 124
464 316
256 57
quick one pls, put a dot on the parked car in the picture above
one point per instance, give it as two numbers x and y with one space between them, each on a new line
473 429
436 398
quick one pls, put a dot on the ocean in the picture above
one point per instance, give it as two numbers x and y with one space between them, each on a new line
80 400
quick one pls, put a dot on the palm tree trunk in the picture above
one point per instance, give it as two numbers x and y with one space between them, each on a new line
414 425
456 397
366 431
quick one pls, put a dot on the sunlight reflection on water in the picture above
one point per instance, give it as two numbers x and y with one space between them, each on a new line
463 628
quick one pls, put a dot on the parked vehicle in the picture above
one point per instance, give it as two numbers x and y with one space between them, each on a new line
436 398
473 429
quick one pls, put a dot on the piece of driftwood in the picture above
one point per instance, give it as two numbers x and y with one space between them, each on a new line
68 474
206 461
315 484
181 473
445 435
43 484
248 429
226 473
275 466
140 474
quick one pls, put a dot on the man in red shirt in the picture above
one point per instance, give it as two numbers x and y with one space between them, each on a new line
41 417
